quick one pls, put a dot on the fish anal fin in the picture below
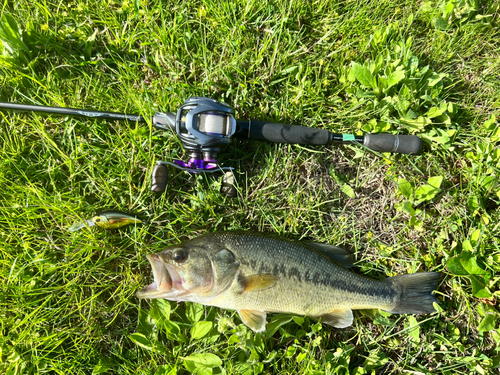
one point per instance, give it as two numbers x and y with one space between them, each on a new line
338 318
254 319
341 256
253 283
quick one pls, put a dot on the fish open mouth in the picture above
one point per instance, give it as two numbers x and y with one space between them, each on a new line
164 276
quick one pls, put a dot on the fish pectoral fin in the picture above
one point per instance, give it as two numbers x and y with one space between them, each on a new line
254 319
341 256
339 318
253 283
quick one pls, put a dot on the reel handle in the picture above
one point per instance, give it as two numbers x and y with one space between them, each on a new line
159 177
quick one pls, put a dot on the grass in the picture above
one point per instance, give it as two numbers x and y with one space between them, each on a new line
67 300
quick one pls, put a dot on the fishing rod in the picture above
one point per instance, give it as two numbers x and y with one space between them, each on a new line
204 125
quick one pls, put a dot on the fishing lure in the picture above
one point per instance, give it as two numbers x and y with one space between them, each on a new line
107 220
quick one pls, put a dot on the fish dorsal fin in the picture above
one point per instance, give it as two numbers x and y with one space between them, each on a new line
341 256
339 318
253 283
254 319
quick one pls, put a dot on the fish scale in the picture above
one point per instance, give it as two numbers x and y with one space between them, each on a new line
333 285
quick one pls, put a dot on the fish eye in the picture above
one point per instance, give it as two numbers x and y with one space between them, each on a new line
180 255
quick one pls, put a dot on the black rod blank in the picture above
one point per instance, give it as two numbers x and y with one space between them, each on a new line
73 112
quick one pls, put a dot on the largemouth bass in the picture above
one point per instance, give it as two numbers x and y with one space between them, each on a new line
256 273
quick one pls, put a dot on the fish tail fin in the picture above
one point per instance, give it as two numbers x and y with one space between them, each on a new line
414 293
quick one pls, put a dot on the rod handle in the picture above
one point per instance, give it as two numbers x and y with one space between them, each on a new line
283 133
402 144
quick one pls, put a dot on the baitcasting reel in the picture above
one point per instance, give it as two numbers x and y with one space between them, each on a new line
204 125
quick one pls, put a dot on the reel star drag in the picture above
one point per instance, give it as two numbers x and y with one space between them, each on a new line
204 125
